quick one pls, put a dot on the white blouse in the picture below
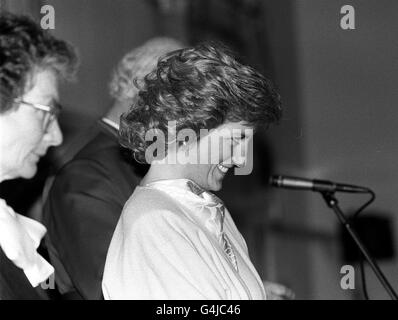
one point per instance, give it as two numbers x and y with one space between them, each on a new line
167 246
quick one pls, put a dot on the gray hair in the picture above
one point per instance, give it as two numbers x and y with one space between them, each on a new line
136 64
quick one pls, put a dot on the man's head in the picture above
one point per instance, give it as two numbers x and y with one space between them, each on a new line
202 87
132 69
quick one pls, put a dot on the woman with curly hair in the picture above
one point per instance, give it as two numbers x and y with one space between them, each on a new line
175 239
31 62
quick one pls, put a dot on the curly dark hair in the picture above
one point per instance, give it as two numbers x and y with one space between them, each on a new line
25 48
199 87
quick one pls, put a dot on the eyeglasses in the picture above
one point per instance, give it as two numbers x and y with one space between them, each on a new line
51 113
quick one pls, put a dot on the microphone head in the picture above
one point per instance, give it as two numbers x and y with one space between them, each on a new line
289 182
275 180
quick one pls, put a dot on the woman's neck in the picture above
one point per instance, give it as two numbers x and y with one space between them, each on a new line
162 172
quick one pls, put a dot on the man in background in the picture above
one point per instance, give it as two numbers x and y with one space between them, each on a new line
88 193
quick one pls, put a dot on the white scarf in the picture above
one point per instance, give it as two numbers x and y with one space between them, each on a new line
19 238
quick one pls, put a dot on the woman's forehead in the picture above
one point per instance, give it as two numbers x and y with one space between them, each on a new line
232 129
42 85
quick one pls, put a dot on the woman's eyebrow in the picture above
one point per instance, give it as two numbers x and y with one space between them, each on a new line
49 98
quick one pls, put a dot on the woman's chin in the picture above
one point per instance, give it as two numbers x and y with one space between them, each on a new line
28 171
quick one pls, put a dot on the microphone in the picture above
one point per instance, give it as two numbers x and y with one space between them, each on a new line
314 185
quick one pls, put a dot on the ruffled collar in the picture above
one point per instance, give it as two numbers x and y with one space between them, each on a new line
206 206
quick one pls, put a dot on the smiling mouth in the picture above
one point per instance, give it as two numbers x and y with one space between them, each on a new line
222 168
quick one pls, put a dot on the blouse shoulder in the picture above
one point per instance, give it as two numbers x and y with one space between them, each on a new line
153 209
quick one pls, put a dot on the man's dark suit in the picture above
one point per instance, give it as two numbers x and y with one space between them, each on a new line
82 209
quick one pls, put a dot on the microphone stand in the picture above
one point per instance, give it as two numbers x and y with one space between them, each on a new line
332 203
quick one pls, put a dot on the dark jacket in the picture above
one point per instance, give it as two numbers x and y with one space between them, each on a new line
82 209
13 283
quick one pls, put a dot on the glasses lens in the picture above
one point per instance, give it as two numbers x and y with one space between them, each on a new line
56 109
48 118
52 115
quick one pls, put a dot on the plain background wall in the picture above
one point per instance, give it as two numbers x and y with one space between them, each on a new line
349 97
340 100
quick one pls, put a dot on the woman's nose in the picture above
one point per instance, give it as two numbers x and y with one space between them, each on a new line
242 158
238 159
54 134
239 154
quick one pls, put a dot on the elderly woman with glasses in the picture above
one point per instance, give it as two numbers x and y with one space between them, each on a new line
31 63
